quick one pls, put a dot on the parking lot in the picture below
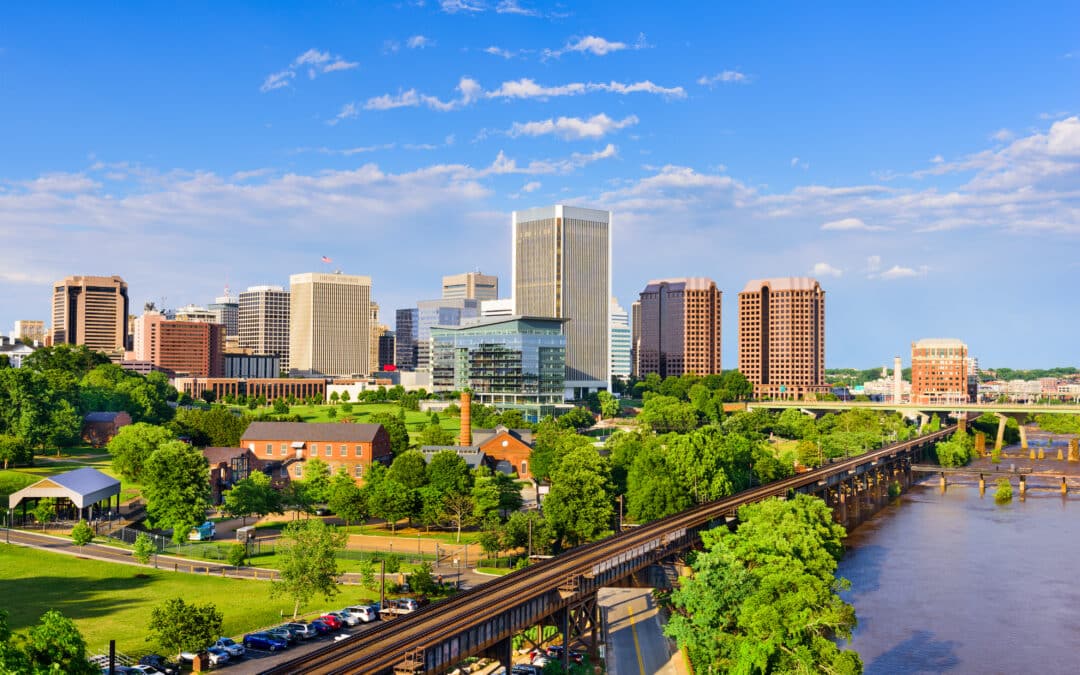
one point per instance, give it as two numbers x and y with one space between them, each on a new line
257 660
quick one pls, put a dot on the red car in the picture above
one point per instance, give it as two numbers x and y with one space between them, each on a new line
331 620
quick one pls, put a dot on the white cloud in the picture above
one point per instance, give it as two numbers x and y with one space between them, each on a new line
60 182
850 224
419 42
937 159
724 77
1002 136
348 111
824 269
898 272
455 6
573 128
468 89
873 264
499 51
314 61
797 163
513 7
531 186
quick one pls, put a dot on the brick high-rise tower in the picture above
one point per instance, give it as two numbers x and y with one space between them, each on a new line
680 327
782 336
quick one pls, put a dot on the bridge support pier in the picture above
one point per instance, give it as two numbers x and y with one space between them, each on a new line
1064 487
1023 486
982 485
1000 442
980 444
1023 434
944 482
1074 450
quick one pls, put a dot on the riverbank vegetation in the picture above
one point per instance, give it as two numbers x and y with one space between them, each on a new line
764 599
1004 493
956 451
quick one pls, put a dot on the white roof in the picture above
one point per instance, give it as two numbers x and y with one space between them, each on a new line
82 486
782 284
939 342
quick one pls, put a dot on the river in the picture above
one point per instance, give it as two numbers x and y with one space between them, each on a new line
956 583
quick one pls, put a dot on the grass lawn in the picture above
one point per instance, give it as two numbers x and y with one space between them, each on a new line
112 601
414 421
497 571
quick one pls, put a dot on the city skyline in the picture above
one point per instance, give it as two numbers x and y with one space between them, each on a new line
906 179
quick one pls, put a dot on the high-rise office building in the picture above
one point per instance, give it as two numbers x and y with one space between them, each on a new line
29 332
226 311
680 327
635 335
405 327
443 312
91 311
782 336
562 269
387 346
196 314
330 324
620 341
263 322
940 369
194 348
502 307
471 285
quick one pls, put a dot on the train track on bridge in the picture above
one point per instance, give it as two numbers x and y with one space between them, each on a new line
388 645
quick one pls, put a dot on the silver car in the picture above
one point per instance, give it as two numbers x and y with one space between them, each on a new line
346 618
303 630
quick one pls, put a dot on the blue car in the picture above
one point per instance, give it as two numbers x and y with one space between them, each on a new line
321 627
264 641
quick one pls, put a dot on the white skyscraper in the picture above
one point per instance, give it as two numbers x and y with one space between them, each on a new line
330 324
263 318
620 341
562 269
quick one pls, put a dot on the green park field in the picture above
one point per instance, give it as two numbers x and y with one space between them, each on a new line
113 601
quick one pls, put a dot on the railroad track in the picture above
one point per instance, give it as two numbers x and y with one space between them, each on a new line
382 648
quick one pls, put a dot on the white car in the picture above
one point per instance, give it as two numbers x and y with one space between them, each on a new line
364 613
217 656
346 617
143 669
230 646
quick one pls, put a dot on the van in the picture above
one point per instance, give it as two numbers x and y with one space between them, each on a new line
203 532
365 613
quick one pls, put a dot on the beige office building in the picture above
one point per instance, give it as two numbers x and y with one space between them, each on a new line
377 331
471 286
91 311
562 269
782 337
330 324
263 322
29 331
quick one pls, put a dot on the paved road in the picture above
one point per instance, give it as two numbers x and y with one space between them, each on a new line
636 643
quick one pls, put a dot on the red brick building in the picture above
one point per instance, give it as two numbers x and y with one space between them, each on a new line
354 446
939 371
184 347
100 427
508 448
230 465
272 388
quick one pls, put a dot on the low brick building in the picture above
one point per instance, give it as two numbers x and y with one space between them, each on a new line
100 427
230 465
509 449
354 446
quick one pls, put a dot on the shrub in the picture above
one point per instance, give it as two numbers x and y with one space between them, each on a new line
82 534
1004 492
237 554
144 548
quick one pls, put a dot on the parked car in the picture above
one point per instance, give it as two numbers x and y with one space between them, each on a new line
525 669
229 645
346 618
331 620
284 634
264 641
137 669
323 511
160 663
321 627
363 613
541 661
304 630
217 656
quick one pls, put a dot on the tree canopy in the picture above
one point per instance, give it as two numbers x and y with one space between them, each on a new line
176 487
133 445
308 551
179 626
579 506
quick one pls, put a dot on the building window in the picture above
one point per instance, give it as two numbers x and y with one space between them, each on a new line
284 472
359 470
269 449
359 451
329 451
524 468
284 449
344 451
299 471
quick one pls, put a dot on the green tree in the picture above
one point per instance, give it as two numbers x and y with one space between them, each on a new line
367 575
421 580
182 627
252 496
332 413
1004 492
316 483
551 445
409 469
307 551
217 427
236 554
525 527
144 548
579 505
82 534
55 645
956 451
578 418
449 472
391 501
74 359
208 395
652 490
494 493
176 487
434 434
14 450
345 397
395 428
764 599
665 414
13 659
609 405
457 510
346 499
281 407
44 511
133 445
335 397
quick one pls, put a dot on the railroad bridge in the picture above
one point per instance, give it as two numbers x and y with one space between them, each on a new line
562 591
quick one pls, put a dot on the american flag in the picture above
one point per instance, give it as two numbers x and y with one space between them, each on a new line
326 260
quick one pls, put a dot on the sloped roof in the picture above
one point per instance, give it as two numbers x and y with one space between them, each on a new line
218 455
311 431
82 486
481 436
472 454
101 417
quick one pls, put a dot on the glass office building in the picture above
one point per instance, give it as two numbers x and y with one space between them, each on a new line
514 362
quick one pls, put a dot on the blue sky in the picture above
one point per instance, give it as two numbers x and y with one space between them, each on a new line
923 161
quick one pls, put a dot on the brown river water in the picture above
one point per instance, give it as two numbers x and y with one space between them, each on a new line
954 583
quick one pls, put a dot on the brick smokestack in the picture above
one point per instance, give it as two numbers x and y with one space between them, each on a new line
465 439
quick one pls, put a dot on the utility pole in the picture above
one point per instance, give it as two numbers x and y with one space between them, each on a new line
530 536
382 586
